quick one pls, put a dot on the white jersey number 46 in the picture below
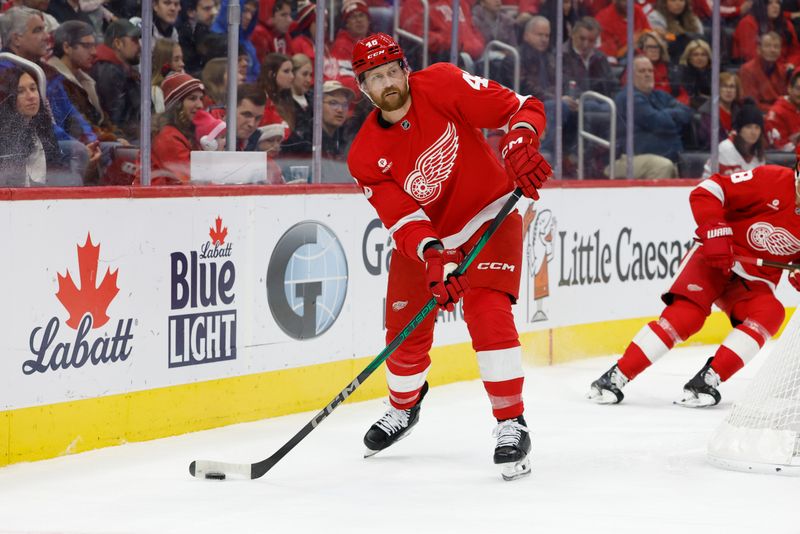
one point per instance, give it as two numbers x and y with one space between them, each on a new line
476 82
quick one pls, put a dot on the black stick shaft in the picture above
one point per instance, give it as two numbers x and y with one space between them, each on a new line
767 263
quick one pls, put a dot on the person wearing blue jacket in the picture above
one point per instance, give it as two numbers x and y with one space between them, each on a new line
658 121
247 25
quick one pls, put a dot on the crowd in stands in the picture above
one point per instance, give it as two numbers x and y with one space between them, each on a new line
84 128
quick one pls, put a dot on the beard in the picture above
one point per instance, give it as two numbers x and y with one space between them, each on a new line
392 98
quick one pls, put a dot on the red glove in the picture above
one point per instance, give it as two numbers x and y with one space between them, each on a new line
524 164
446 288
717 239
794 279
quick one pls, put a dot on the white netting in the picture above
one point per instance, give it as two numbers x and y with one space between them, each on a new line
762 432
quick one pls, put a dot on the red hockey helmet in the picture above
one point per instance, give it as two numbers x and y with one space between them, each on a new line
375 50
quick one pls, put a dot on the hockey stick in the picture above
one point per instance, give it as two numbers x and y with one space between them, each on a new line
219 470
766 263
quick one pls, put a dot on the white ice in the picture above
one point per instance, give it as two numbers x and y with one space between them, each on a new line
638 467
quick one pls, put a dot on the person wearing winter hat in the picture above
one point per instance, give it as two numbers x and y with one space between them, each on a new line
269 141
303 29
175 131
355 22
743 150
209 131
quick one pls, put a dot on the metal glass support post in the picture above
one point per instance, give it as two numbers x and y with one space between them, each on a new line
145 96
234 19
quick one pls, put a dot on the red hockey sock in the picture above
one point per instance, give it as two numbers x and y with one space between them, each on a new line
506 397
726 363
403 400
650 344
739 347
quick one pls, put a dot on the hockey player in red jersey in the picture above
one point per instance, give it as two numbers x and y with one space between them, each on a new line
752 214
423 164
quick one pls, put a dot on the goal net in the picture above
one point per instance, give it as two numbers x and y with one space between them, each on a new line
762 432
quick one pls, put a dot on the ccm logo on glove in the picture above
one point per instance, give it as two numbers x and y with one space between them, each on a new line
524 164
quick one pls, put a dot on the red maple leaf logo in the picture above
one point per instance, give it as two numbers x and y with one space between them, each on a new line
218 235
90 298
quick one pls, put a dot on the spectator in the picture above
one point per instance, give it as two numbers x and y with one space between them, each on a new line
167 58
209 131
764 76
585 69
335 103
549 10
658 121
165 17
783 118
29 148
766 16
269 141
197 16
792 11
276 81
584 64
303 29
74 53
355 19
676 23
730 96
250 104
23 34
64 10
249 19
537 65
729 10
441 17
614 28
694 74
174 132
118 84
653 47
303 71
493 23
272 36
301 92
743 150
215 80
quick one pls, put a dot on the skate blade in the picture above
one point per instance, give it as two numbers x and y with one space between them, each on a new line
602 396
369 452
513 471
703 400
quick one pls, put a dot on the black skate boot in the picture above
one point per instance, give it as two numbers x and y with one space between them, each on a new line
701 391
393 426
513 447
608 388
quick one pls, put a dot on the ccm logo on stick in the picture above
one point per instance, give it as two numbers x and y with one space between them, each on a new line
496 266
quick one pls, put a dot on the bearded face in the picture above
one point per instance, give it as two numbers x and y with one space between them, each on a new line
387 86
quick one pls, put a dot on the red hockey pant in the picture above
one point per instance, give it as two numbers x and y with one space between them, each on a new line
487 312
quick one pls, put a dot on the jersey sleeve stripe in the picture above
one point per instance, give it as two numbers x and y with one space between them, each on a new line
714 188
486 214
418 215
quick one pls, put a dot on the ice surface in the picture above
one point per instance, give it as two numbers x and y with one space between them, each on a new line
638 467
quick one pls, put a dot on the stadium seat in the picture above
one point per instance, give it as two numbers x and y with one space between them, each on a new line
690 164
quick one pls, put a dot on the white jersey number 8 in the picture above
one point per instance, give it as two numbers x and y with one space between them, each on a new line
476 82
741 176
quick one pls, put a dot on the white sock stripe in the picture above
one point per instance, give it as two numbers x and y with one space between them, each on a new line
404 384
650 344
498 403
742 344
760 330
500 365
670 330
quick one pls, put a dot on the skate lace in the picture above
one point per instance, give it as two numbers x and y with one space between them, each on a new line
711 378
508 432
393 420
618 379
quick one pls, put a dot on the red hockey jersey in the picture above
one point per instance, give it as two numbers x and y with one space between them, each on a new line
760 207
432 174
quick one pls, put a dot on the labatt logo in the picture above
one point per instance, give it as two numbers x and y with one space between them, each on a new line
87 306
203 281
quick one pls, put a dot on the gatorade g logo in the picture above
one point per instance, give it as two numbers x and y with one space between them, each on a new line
307 280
